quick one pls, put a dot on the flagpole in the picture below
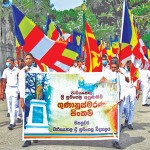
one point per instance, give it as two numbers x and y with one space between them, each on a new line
83 29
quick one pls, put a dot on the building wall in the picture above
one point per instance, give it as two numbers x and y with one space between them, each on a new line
7 42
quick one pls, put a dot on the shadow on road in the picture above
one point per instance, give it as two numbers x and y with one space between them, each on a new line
125 141
143 111
137 126
2 124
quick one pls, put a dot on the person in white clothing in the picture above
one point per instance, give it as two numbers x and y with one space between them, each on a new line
105 63
29 68
74 68
77 67
10 86
132 94
114 75
145 86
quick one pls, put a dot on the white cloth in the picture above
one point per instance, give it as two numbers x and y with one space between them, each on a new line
109 75
75 70
11 91
122 86
106 68
145 85
11 76
22 79
144 76
13 104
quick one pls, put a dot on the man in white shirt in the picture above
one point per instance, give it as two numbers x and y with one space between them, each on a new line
145 86
130 98
29 68
10 85
113 74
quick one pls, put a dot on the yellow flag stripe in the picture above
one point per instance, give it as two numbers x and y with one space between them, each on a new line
70 54
134 39
90 35
51 30
24 28
17 43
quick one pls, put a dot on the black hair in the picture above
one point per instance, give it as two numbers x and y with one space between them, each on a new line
104 56
29 54
10 58
128 62
115 58
115 63
21 60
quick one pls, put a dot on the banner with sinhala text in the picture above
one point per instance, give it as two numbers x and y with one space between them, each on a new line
70 106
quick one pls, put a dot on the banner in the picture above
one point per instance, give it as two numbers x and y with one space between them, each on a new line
70 106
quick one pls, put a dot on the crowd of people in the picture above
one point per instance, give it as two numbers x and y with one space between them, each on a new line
13 83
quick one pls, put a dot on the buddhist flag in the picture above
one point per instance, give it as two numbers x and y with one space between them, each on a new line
93 58
114 45
110 53
54 54
52 31
102 48
126 35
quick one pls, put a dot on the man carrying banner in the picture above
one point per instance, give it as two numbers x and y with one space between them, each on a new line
115 75
29 59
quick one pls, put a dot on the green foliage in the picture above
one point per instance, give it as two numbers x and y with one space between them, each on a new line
109 13
104 16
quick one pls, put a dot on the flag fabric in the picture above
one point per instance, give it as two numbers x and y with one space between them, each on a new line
93 61
136 75
52 53
141 52
66 36
102 48
110 53
126 35
18 50
139 49
52 31
115 45
130 44
77 41
148 54
56 33
134 70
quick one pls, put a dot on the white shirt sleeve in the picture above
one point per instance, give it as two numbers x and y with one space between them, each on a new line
21 84
4 74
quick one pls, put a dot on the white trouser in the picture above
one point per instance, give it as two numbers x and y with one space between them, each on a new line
145 92
12 98
8 105
18 110
129 104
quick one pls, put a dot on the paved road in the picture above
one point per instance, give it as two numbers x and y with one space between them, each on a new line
137 139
